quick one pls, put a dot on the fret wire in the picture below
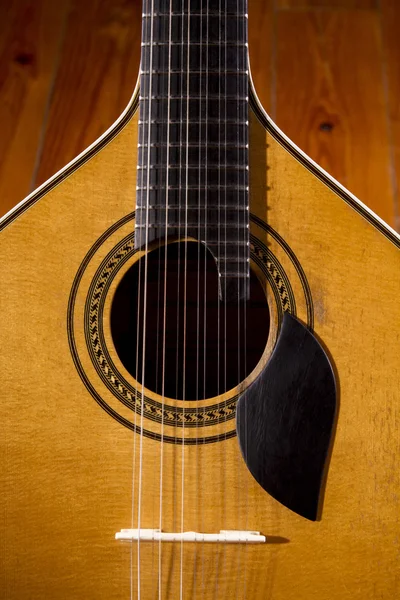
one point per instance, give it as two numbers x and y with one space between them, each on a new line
189 225
192 145
217 44
238 167
195 72
194 187
211 13
195 122
209 206
156 209
195 97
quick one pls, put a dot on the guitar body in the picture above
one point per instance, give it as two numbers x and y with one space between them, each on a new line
74 472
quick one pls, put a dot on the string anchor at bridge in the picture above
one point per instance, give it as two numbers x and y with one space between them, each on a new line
227 536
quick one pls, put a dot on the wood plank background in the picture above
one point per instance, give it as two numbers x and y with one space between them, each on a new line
328 72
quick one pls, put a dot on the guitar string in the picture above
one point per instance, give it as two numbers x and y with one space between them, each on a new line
140 181
242 253
199 248
225 249
222 279
180 195
220 287
205 260
185 291
140 187
246 247
178 82
150 82
158 180
167 159
238 158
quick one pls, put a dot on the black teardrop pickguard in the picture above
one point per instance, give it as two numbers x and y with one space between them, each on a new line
285 420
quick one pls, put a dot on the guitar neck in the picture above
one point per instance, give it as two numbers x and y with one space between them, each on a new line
193 131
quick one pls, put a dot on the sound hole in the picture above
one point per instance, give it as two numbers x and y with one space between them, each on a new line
189 354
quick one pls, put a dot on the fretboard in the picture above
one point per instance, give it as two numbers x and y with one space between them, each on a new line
193 131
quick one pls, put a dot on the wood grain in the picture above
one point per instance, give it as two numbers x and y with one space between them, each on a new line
30 36
68 468
95 80
390 36
347 4
261 48
98 69
331 100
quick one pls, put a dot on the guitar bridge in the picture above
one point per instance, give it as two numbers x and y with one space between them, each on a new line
227 536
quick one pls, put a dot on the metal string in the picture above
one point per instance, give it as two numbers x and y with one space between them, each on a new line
181 100
205 261
185 290
160 117
136 398
139 187
246 249
165 305
199 248
221 282
242 253
145 294
225 249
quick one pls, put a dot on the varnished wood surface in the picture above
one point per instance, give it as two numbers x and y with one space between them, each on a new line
96 76
326 70
336 125
390 23
31 34
67 466
327 4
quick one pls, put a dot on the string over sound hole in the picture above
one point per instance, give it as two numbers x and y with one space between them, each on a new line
194 345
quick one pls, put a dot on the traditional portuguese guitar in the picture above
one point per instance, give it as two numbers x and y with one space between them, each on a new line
200 347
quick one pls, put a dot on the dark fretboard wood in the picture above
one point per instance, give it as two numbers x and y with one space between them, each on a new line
193 131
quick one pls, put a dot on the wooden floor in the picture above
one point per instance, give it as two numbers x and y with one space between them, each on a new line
328 72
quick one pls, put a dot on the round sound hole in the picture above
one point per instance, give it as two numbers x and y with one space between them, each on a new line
174 335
